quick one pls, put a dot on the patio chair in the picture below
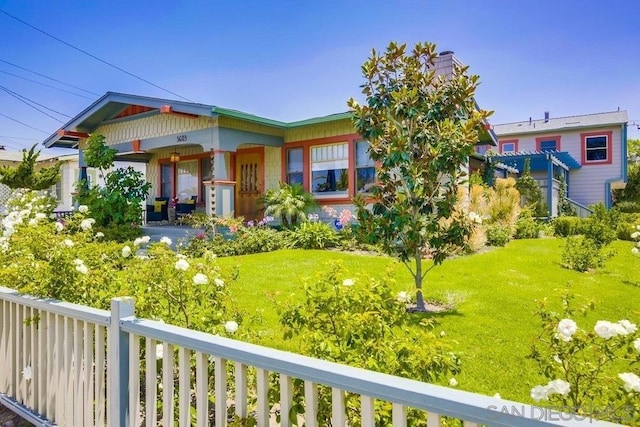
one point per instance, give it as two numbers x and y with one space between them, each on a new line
159 210
186 208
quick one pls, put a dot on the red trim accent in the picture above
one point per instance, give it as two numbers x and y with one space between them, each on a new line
508 141
488 126
555 138
135 145
167 109
583 148
62 132
132 110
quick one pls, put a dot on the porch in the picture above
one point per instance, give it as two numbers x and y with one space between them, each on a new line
67 364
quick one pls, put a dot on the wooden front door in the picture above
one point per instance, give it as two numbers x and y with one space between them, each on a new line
249 183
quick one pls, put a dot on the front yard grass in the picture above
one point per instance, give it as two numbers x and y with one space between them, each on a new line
493 324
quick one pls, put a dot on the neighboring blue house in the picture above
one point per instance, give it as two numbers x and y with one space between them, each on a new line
589 151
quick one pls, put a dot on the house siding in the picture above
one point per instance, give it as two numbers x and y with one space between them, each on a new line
151 127
272 167
320 130
587 184
233 123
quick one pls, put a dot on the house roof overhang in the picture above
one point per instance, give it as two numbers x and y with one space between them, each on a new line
539 161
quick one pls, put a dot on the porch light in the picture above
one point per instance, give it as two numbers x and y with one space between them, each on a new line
175 157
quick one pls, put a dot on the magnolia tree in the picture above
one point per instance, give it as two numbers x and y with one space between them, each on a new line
421 129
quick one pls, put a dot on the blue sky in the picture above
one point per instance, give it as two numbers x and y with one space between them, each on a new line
291 60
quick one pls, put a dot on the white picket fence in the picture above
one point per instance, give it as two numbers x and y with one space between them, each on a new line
70 365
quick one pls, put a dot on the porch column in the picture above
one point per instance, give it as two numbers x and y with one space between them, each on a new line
220 191
550 205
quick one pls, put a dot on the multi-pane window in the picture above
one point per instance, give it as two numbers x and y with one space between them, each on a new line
187 173
294 166
365 167
329 168
596 148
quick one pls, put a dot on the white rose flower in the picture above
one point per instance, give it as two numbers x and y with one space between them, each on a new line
453 382
200 279
231 327
348 282
59 226
40 216
27 373
180 256
182 264
159 351
636 344
403 297
566 329
145 239
166 241
219 282
99 234
628 327
137 241
635 251
126 252
559 386
631 381
605 329
442 333
83 208
539 393
635 235
81 268
86 224
33 222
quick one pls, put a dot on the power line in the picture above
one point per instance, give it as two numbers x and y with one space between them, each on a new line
19 137
47 77
44 84
23 123
93 56
27 101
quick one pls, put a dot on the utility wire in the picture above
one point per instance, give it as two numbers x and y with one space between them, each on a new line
23 123
47 77
44 84
93 56
19 137
29 102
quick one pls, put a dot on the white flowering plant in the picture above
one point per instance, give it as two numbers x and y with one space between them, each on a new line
591 369
635 236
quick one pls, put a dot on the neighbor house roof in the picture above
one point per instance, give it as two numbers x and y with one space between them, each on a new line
562 123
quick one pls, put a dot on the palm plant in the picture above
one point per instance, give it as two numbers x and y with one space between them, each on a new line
289 202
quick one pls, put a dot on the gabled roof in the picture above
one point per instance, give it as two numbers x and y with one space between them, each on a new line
562 123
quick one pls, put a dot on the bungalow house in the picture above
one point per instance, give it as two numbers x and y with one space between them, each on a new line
588 151
226 159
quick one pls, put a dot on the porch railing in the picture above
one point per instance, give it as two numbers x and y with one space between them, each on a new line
581 210
75 365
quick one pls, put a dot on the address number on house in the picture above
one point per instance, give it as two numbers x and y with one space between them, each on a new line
182 138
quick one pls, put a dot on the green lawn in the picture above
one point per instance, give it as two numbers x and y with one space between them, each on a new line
494 323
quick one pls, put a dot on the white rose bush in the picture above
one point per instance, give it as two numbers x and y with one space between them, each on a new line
636 238
592 368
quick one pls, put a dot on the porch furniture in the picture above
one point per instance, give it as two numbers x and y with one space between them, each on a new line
159 210
186 207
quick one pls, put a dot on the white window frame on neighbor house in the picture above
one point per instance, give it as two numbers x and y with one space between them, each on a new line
510 146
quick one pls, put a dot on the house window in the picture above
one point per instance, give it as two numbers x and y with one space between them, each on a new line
56 191
166 180
294 166
187 174
481 149
329 168
548 143
365 167
596 147
206 169
508 146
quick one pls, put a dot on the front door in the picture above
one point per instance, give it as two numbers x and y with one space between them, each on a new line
249 183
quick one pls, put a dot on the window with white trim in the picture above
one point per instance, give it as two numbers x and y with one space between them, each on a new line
508 147
365 168
596 148
330 168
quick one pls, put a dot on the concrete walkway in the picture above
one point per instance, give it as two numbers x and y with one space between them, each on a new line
177 233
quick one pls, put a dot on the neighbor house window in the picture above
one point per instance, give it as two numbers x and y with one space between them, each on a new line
329 168
481 149
294 166
596 147
365 167
509 146
548 143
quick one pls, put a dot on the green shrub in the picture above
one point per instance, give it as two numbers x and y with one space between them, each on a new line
628 207
565 226
601 225
526 226
583 254
246 240
120 233
627 225
313 235
497 235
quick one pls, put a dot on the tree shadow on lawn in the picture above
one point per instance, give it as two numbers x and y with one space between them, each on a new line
418 318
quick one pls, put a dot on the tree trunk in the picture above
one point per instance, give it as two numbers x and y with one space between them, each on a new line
418 279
